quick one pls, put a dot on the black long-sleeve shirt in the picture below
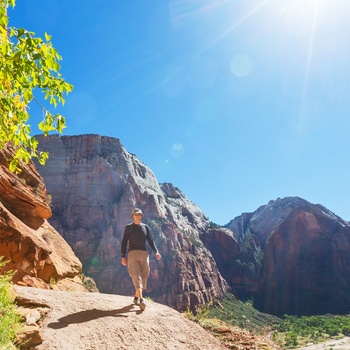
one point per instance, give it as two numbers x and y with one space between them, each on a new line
135 237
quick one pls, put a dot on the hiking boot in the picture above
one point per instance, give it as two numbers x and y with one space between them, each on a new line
142 304
136 300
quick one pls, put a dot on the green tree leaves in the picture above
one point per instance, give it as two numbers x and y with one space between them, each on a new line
10 321
27 64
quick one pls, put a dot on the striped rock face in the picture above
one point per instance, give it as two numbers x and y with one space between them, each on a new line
34 250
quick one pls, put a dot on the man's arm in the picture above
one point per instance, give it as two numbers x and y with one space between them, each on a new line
124 244
151 243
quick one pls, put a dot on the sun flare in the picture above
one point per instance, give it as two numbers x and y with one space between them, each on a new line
301 15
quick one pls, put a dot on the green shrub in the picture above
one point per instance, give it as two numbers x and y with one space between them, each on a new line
236 313
291 339
313 328
9 319
346 330
289 332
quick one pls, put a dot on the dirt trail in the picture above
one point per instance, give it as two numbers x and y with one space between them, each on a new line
86 321
340 344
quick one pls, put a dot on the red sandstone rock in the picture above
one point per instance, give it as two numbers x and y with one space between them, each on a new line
304 257
36 252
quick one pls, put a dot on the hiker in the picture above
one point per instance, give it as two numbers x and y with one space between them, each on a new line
135 236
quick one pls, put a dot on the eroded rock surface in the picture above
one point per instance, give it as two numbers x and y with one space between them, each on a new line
76 320
35 251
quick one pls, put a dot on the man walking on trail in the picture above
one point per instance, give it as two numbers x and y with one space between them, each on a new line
134 237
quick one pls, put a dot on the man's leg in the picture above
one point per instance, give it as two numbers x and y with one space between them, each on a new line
138 293
135 273
145 270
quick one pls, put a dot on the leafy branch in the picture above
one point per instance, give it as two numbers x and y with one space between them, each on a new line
27 63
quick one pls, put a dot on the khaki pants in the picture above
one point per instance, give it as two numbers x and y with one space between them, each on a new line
138 267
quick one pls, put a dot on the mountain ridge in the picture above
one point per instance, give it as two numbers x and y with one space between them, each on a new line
299 252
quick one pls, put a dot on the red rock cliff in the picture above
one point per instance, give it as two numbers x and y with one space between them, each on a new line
36 252
294 259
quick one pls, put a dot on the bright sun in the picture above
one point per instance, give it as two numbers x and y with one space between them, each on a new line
302 14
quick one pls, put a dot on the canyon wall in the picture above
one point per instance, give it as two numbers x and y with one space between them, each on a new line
95 183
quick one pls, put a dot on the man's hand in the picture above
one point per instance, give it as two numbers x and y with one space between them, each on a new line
158 256
124 262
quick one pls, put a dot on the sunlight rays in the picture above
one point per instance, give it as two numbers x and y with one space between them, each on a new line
314 22
183 11
289 27
302 21
302 120
180 13
299 19
239 22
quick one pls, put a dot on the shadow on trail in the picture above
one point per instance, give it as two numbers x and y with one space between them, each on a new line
89 315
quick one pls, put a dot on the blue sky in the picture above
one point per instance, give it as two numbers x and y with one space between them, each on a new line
236 102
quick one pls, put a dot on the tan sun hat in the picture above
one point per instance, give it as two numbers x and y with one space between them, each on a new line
136 211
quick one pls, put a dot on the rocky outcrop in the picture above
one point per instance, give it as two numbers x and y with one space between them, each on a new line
292 258
306 267
95 183
65 320
35 251
224 247
104 321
